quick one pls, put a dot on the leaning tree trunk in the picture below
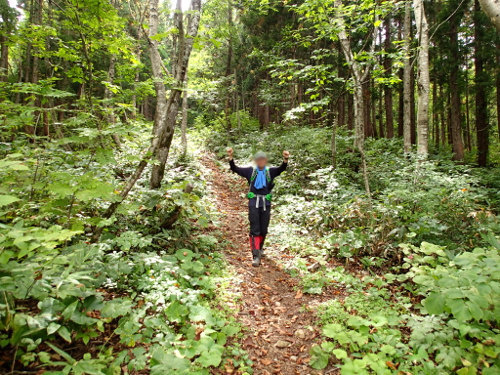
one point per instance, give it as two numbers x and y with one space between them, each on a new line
407 79
423 78
166 110
184 121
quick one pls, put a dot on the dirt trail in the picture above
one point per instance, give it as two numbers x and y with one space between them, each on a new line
279 333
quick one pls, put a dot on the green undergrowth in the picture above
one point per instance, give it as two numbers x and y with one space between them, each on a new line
145 297
413 272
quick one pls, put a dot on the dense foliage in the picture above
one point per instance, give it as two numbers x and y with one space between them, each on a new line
111 244
428 237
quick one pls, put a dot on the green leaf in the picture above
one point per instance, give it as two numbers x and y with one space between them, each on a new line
331 330
339 353
212 357
434 304
52 328
319 358
7 199
64 333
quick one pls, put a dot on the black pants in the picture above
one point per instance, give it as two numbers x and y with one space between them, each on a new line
259 220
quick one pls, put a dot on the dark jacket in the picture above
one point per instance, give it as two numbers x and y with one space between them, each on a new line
246 172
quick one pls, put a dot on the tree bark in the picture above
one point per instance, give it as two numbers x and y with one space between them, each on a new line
435 114
455 121
360 75
108 95
184 121
498 84
389 118
166 110
492 10
481 84
423 78
407 79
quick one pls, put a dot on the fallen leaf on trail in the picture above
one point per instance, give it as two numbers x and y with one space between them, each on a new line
266 361
391 365
299 294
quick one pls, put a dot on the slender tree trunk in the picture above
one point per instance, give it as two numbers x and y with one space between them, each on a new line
229 58
444 115
167 110
350 111
368 126
108 95
498 84
380 116
333 142
341 100
423 78
481 84
407 79
389 121
455 121
360 75
184 121
435 114
413 117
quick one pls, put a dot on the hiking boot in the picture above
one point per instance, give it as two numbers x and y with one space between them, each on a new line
262 253
256 258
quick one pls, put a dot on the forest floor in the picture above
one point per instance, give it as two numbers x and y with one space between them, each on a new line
277 317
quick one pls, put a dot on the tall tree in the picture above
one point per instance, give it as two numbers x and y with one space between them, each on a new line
167 109
455 60
423 77
389 118
481 83
7 26
360 74
407 78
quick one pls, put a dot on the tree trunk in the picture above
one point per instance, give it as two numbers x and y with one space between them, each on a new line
498 85
492 10
368 126
481 84
407 79
166 110
229 58
380 117
389 121
435 114
184 121
333 142
423 78
455 121
360 75
350 112
108 95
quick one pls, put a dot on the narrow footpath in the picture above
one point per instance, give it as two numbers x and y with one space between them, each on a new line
278 323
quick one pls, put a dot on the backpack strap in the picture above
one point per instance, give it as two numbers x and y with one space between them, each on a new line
251 195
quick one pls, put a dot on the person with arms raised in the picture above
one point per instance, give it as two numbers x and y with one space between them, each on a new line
261 182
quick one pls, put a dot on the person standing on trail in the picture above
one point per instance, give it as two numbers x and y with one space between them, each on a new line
261 182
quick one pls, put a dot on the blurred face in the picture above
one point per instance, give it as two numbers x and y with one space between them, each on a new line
261 162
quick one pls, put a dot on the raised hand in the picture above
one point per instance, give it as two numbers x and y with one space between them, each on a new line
286 155
229 151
